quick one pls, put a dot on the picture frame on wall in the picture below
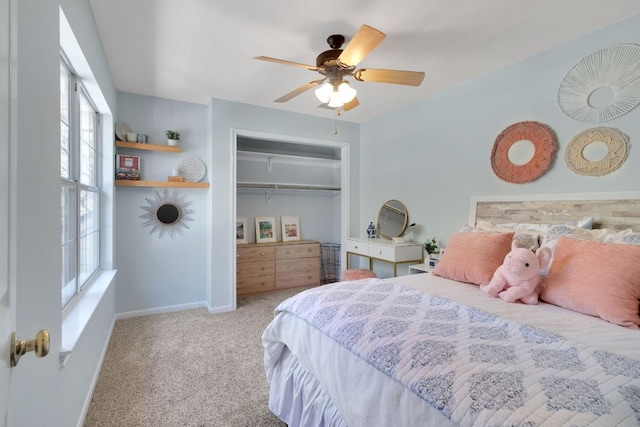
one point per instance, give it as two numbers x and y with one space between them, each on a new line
290 227
241 229
265 229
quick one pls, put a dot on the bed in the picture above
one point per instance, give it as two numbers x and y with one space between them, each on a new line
434 350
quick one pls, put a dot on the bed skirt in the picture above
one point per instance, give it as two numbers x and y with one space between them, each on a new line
297 397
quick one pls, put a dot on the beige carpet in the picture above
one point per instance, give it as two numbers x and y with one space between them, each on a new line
188 368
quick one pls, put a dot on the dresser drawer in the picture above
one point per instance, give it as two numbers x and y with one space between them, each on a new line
251 285
298 265
254 269
292 280
254 253
309 250
357 247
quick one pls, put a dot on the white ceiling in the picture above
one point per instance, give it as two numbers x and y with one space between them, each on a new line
195 50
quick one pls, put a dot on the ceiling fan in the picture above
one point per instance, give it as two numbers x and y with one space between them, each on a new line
336 64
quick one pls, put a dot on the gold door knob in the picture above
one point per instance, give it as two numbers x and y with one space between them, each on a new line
40 345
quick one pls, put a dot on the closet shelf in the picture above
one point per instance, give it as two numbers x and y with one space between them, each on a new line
274 186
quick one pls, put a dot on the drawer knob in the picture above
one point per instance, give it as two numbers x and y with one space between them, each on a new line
356 247
309 262
287 280
237 255
261 253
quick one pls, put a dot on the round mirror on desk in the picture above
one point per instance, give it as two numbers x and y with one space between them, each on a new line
392 219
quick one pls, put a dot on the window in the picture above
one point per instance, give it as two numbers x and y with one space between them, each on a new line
80 192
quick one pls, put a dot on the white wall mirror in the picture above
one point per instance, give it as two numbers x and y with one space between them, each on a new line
392 219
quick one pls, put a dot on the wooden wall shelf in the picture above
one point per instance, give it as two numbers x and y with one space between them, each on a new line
149 147
165 184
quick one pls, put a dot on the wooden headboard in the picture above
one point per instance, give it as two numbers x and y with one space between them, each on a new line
615 210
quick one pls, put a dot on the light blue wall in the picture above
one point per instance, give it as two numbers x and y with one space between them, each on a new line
44 393
154 271
442 145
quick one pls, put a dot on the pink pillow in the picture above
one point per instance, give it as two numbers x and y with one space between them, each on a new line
599 279
473 257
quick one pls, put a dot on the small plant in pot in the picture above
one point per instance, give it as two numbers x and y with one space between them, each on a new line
173 136
431 248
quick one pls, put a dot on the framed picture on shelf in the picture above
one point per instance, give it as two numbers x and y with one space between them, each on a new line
241 229
265 229
127 167
290 226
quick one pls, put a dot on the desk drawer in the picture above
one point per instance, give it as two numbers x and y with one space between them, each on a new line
357 247
382 252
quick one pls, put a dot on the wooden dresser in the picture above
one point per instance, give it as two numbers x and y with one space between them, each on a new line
263 267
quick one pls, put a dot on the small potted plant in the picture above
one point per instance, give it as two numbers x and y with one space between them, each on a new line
430 249
173 136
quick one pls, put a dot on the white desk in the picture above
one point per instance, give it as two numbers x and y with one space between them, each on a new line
384 250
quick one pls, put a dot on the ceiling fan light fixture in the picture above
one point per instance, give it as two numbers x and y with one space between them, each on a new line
347 93
335 100
334 94
323 93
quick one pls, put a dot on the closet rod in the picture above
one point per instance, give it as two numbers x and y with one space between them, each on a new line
287 186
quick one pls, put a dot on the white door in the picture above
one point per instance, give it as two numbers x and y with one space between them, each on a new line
7 292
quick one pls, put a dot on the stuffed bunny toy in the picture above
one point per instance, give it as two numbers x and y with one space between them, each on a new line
518 278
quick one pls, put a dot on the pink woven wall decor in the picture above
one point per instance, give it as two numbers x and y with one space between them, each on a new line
545 146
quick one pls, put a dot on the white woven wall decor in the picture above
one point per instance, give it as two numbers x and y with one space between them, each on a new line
615 69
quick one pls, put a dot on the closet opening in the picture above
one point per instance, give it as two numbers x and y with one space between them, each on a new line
281 177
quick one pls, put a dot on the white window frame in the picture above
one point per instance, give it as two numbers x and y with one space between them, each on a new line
79 280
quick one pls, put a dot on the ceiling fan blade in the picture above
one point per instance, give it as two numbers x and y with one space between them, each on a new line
298 91
398 77
282 61
351 104
365 40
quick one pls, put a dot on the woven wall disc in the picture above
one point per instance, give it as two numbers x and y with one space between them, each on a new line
616 141
615 67
545 146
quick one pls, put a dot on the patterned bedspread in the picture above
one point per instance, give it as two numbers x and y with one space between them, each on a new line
475 368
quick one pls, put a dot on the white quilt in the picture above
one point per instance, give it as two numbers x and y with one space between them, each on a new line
473 366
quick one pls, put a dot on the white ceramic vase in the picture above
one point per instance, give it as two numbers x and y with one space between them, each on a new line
172 142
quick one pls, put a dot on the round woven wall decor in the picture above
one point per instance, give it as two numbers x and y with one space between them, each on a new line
545 146
615 68
616 141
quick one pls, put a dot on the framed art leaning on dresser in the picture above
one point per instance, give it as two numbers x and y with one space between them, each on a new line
266 229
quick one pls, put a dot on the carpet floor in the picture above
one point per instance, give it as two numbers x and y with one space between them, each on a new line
188 368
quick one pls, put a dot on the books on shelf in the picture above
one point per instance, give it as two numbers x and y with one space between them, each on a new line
127 167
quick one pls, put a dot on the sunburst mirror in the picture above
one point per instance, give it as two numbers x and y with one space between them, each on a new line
167 213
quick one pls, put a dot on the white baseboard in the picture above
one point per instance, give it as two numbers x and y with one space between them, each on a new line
160 310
